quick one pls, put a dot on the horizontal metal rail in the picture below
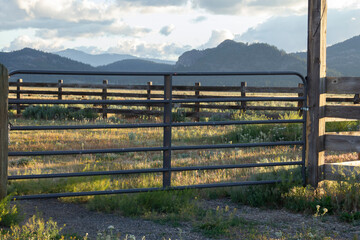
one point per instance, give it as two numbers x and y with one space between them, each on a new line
153 149
142 190
168 124
95 73
119 102
152 170
153 125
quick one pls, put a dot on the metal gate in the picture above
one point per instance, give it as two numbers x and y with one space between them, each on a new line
168 124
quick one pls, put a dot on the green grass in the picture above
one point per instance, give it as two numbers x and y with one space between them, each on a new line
8 215
175 207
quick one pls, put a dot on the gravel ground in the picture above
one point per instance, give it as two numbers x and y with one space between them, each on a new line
81 221
269 222
273 222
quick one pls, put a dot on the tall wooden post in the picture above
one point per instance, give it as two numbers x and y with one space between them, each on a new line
316 73
18 96
60 83
243 94
197 104
4 138
104 97
167 131
148 92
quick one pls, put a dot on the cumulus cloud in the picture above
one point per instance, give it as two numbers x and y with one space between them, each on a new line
251 7
290 33
217 37
167 30
287 33
92 29
158 3
67 18
348 4
199 19
169 51
40 44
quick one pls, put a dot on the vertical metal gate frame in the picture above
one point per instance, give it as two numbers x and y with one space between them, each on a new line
167 148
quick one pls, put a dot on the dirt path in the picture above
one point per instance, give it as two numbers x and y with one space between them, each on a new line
284 223
272 223
81 221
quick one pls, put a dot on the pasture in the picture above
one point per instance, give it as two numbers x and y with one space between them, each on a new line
179 207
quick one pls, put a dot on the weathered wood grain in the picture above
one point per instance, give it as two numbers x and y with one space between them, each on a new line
351 112
343 85
344 141
316 73
4 138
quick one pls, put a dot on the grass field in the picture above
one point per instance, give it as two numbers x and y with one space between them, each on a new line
339 198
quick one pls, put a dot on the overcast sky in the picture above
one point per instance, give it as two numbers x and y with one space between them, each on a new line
165 28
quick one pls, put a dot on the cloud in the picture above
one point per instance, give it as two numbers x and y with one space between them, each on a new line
348 4
140 48
217 37
251 7
92 29
40 44
167 30
67 18
290 33
199 19
156 3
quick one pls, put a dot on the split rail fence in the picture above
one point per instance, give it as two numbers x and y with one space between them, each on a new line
26 90
340 141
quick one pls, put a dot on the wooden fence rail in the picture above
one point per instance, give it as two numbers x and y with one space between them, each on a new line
61 90
343 141
149 91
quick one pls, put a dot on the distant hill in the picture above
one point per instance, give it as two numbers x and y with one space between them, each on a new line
94 60
136 65
240 57
32 59
236 56
102 59
343 57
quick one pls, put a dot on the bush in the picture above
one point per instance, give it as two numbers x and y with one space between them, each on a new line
58 113
8 215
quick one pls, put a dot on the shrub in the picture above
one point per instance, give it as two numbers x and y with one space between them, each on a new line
8 215
58 113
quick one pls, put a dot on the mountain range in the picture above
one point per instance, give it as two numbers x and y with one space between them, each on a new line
342 59
97 60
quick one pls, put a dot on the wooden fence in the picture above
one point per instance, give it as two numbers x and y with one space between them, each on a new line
341 141
61 90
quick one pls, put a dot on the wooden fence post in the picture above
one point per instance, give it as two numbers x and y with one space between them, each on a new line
60 83
104 97
243 94
148 91
18 95
300 103
197 104
167 131
316 73
4 137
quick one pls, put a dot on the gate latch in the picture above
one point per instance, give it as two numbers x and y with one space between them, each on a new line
304 109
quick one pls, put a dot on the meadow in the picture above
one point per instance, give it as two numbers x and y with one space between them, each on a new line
340 198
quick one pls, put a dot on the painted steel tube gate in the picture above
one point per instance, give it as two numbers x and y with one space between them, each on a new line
167 148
